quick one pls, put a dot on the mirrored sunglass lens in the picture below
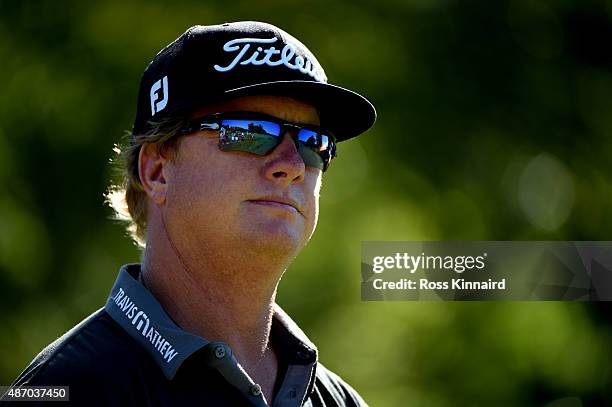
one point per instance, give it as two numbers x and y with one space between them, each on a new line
310 157
314 140
314 148
252 136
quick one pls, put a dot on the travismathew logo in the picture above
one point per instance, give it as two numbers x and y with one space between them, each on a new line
271 56
141 322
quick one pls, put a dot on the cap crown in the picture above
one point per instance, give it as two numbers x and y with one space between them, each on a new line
206 62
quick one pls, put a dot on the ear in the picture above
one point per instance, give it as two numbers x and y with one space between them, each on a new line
153 169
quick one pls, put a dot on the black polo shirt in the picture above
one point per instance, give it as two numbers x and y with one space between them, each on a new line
131 353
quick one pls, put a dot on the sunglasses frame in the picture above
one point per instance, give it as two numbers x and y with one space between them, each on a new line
213 122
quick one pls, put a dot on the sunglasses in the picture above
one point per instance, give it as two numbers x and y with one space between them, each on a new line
260 134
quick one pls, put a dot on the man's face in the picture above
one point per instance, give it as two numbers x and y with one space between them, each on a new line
264 205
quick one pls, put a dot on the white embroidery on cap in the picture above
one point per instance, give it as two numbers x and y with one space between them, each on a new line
242 45
159 106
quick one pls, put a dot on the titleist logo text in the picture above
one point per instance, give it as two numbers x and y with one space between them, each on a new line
268 56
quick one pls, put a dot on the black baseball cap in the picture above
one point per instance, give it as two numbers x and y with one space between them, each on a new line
208 64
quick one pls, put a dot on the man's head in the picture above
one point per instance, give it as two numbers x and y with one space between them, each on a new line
270 197
265 204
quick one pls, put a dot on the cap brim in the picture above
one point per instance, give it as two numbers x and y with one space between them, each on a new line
344 112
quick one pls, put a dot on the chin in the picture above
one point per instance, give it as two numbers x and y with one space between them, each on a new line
276 238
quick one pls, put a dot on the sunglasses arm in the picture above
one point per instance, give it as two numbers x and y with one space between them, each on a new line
199 125
209 126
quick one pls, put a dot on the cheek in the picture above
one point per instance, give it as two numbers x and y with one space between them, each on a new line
200 185
317 193
314 207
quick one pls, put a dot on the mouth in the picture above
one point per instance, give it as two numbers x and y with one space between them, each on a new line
276 202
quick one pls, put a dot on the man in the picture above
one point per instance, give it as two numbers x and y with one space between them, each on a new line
235 125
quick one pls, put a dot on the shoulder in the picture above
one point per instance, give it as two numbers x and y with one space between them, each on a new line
334 390
94 355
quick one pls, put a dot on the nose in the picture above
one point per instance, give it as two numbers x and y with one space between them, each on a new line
284 163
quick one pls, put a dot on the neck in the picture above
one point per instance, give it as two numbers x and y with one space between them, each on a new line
226 298
218 306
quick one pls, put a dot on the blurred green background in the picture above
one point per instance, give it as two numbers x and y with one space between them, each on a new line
494 124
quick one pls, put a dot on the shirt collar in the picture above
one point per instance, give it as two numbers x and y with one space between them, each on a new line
139 313
290 339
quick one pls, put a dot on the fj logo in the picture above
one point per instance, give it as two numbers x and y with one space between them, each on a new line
158 106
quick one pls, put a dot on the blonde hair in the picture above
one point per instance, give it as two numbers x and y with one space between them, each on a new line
128 199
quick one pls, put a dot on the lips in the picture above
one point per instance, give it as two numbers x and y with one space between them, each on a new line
278 202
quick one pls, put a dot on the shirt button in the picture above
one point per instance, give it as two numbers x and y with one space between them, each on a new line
220 352
255 390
